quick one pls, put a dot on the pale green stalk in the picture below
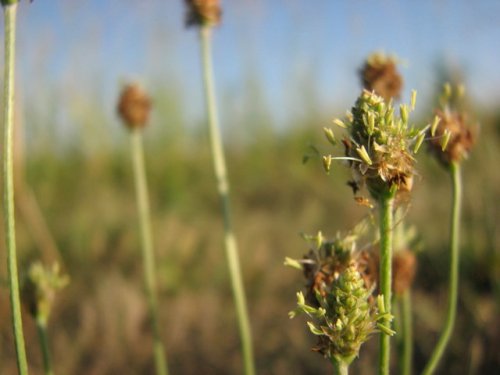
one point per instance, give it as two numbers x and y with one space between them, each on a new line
219 165
147 247
386 234
8 179
41 326
407 323
431 366
340 367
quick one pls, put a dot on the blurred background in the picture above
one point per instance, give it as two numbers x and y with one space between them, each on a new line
284 69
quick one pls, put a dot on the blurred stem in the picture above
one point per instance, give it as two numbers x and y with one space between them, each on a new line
147 247
407 322
431 366
26 202
386 233
10 231
41 326
219 164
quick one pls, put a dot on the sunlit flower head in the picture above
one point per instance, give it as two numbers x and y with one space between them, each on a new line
203 12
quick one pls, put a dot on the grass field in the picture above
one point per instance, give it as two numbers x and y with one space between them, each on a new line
99 324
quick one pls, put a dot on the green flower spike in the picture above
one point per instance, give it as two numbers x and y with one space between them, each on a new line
342 309
345 317
380 146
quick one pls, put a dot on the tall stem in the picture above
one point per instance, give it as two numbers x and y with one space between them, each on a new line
407 322
41 326
10 230
219 165
431 366
147 247
386 233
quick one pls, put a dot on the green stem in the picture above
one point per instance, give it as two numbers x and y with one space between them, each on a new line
407 322
454 270
219 165
386 233
147 247
41 326
340 367
10 230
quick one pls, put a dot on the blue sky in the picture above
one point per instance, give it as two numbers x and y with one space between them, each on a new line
297 52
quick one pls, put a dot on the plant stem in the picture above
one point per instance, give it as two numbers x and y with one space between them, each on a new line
147 247
10 230
407 322
219 165
386 233
41 326
340 367
454 269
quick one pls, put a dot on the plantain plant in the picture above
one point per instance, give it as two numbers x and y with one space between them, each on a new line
451 139
39 291
205 14
134 107
340 301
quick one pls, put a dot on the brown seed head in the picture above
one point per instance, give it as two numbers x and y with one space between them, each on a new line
134 106
462 137
324 270
379 74
367 265
203 12
404 264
